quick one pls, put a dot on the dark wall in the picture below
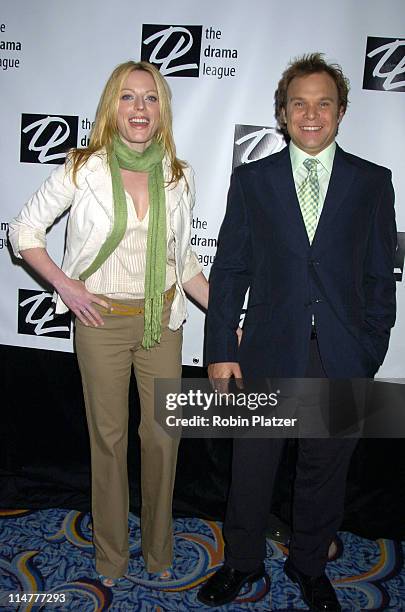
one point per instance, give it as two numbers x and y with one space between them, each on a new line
44 454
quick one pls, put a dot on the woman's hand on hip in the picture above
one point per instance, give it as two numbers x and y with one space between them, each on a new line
73 292
81 302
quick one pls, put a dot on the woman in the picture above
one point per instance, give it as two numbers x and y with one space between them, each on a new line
126 266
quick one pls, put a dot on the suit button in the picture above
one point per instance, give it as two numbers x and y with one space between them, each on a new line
318 301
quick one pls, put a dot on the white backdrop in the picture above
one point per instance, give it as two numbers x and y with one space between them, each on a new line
55 58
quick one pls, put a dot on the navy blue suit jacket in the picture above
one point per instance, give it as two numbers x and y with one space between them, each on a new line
345 278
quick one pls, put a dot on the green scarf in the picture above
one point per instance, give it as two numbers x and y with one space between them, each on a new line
121 156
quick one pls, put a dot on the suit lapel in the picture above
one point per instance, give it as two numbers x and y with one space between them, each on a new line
281 178
339 186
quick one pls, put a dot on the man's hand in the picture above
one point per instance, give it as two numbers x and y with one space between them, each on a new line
220 373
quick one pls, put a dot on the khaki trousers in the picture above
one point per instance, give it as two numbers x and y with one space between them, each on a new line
106 355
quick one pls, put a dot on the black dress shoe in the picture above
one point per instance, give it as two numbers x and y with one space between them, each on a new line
224 586
317 591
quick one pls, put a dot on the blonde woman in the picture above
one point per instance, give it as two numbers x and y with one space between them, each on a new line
126 268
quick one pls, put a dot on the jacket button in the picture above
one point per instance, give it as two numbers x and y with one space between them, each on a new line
318 301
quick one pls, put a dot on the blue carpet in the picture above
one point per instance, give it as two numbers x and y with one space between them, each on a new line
50 551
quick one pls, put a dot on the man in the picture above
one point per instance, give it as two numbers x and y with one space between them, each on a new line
311 231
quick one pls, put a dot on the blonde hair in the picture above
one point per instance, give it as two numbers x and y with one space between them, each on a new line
105 126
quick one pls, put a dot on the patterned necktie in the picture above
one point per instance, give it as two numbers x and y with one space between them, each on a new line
308 195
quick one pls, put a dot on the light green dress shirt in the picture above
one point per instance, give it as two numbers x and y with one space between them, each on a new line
324 169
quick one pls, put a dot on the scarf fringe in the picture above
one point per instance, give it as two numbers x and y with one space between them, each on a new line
153 317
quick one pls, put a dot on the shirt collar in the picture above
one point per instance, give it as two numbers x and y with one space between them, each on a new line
326 156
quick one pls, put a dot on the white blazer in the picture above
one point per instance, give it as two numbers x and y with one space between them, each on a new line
91 220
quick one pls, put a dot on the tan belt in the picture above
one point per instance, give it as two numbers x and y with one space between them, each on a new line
118 308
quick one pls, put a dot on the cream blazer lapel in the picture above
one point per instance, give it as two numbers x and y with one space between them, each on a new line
98 179
174 192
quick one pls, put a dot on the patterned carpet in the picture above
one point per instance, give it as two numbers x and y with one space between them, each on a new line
50 551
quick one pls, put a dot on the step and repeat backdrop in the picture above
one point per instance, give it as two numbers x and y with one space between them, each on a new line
222 61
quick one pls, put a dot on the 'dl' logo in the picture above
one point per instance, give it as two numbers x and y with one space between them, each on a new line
174 49
36 315
46 138
399 257
384 66
252 142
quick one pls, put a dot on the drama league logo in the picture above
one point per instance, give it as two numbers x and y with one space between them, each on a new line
36 315
384 64
46 138
252 142
175 50
399 257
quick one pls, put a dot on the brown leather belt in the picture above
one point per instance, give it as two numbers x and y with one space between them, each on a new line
117 308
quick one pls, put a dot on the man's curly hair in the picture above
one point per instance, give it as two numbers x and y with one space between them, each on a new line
305 65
